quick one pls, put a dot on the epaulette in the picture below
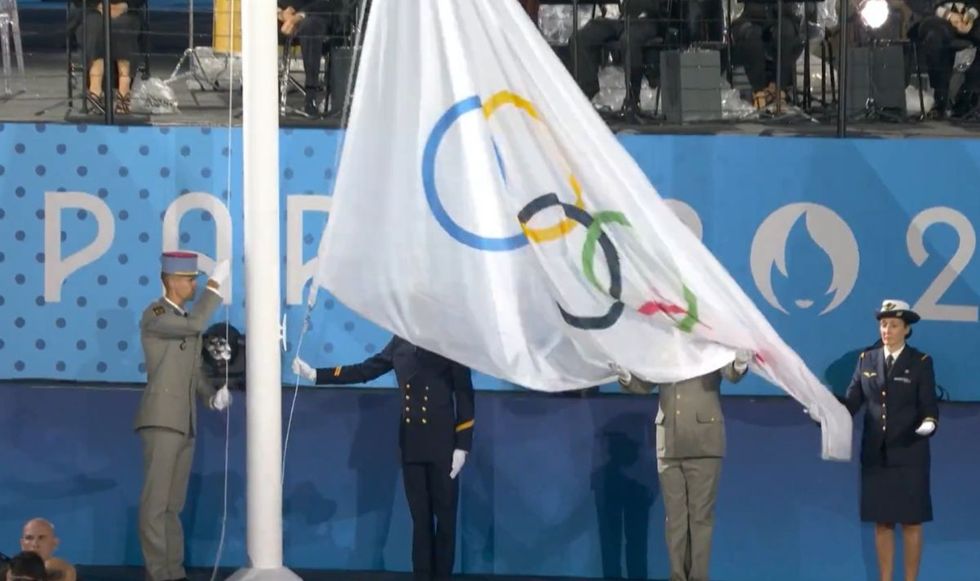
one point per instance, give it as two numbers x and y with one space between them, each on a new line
159 310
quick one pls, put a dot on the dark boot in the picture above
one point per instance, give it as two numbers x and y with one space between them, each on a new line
941 108
965 104
310 106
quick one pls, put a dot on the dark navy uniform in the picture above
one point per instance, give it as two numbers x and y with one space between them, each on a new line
437 418
894 459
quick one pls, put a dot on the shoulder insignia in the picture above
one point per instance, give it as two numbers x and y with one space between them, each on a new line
924 357
862 355
159 310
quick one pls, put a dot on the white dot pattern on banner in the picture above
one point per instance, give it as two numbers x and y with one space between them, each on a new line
138 173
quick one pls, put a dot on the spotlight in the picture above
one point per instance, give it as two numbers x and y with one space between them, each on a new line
874 13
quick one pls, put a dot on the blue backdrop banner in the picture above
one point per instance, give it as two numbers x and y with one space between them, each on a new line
816 231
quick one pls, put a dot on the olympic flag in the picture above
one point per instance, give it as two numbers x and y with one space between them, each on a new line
482 210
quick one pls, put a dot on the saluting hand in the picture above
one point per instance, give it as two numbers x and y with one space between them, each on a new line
220 274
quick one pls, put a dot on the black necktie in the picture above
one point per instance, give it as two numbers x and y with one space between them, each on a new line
888 365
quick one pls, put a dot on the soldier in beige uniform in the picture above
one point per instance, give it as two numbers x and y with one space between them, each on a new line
690 446
171 338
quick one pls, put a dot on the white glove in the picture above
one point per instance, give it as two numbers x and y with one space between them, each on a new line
221 272
811 415
303 369
742 358
927 427
221 400
459 458
624 375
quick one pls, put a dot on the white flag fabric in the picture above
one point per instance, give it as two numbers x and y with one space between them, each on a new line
484 211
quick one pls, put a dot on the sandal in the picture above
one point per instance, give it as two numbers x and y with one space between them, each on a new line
122 104
96 100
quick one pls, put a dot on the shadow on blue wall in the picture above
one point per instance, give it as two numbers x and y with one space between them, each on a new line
563 486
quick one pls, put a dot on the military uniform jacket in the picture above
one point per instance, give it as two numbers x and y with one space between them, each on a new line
689 422
896 405
437 411
172 350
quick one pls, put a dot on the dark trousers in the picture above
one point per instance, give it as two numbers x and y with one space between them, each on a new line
311 34
754 47
597 33
939 42
432 499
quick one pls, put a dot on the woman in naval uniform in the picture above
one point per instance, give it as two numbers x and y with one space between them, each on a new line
896 384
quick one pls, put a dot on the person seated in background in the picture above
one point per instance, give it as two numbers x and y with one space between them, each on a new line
125 26
941 35
755 34
27 566
312 22
38 537
647 22
533 9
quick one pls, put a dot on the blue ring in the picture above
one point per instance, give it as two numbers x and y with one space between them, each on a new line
459 233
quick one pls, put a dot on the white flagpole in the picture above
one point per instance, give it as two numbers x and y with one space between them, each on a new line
260 139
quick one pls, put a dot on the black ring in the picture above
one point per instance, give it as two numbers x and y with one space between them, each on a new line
608 250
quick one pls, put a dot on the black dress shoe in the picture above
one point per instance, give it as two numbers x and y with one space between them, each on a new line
310 106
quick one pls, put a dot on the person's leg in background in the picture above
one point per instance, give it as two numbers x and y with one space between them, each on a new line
935 40
312 33
643 58
749 51
591 38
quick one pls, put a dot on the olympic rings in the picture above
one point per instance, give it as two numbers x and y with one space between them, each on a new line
459 233
575 214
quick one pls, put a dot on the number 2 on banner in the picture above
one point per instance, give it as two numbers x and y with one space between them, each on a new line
928 304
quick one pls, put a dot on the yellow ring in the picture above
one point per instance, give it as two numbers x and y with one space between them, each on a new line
565 226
